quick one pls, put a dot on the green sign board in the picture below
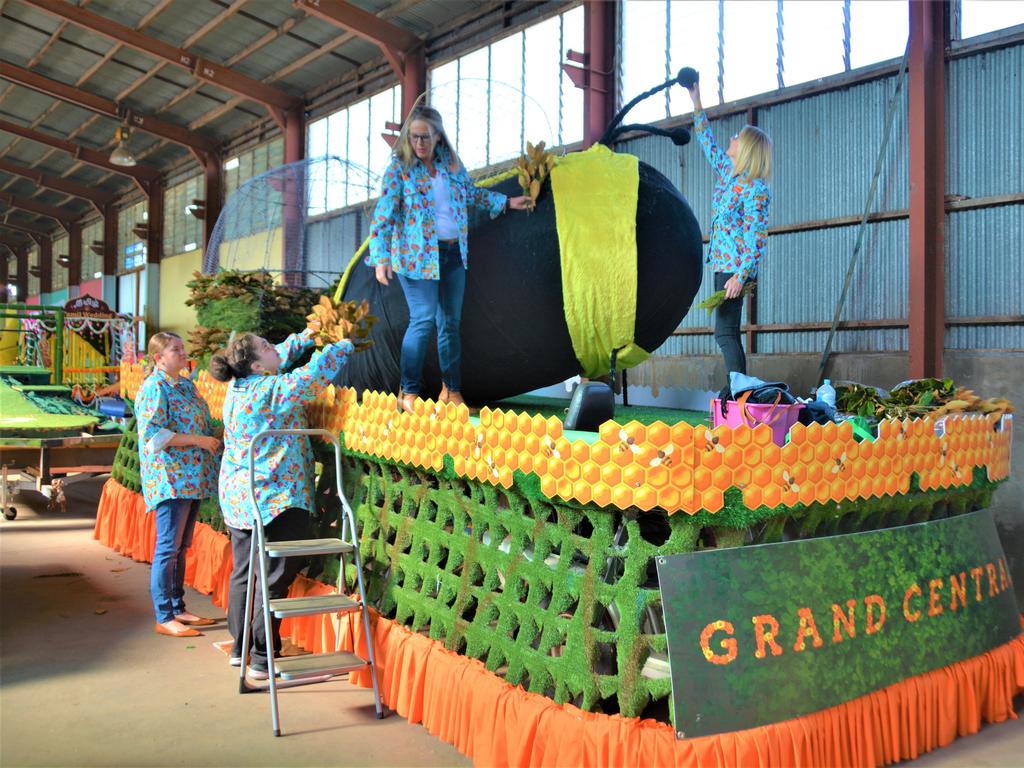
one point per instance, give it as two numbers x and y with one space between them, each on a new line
762 634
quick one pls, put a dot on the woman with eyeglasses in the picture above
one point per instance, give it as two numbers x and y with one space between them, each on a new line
419 232
739 222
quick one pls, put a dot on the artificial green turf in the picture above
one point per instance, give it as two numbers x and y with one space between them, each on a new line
19 417
645 414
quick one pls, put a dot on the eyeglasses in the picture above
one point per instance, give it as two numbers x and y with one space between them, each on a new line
421 138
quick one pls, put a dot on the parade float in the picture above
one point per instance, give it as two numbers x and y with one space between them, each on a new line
518 568
57 365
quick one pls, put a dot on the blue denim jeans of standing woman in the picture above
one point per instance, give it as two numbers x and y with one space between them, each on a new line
727 328
175 521
435 303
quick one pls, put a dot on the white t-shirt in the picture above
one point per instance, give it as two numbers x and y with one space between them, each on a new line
447 229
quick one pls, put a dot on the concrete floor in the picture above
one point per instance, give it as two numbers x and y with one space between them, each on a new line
85 681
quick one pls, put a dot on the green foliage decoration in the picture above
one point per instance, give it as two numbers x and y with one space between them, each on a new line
559 597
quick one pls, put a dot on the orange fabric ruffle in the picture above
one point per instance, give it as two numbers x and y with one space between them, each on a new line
497 724
123 525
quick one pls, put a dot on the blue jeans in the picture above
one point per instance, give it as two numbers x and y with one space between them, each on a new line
727 328
435 302
175 521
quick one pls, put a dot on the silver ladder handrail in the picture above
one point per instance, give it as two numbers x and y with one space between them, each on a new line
258 552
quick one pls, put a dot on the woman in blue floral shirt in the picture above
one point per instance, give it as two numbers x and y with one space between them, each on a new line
260 398
177 453
420 232
739 222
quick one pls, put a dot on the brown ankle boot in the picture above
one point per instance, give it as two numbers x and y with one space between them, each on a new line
407 402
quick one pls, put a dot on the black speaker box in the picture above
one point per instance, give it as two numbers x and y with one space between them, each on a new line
592 404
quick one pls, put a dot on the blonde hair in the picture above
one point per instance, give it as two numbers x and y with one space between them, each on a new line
753 154
158 342
403 147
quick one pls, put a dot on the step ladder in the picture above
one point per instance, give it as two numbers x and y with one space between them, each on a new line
316 667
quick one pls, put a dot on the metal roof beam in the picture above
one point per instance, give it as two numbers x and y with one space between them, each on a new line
275 99
362 23
68 187
23 227
192 39
142 175
60 215
96 103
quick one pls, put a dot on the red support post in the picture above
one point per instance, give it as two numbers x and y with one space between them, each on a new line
293 218
75 255
4 274
155 228
926 69
22 277
596 76
45 266
213 177
414 78
110 265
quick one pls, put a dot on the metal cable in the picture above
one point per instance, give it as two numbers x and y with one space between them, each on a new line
668 55
721 51
779 39
864 218
846 35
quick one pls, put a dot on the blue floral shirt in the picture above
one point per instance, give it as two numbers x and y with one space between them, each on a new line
165 406
283 467
739 211
403 232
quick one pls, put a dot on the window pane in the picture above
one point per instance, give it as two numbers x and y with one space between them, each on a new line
572 97
541 80
750 49
980 16
878 30
694 27
506 100
473 86
384 108
643 58
358 146
812 40
337 146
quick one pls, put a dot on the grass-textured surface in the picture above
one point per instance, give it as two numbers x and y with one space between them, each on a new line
559 597
553 406
19 416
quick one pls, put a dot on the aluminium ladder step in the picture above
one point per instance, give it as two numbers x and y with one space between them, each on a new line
317 664
307 547
310 605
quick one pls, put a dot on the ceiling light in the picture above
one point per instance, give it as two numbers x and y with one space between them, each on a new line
122 155
64 260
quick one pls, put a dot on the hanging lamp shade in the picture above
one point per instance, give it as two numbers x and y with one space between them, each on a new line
122 154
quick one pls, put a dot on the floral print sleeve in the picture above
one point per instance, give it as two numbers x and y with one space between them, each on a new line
151 414
718 159
164 407
384 215
480 197
293 346
303 384
750 238
283 466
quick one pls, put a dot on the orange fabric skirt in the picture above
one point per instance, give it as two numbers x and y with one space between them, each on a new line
497 724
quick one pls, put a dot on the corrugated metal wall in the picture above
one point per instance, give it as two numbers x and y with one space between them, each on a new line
825 152
330 245
826 147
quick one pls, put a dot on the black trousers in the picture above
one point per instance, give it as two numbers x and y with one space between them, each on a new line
290 524
727 329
